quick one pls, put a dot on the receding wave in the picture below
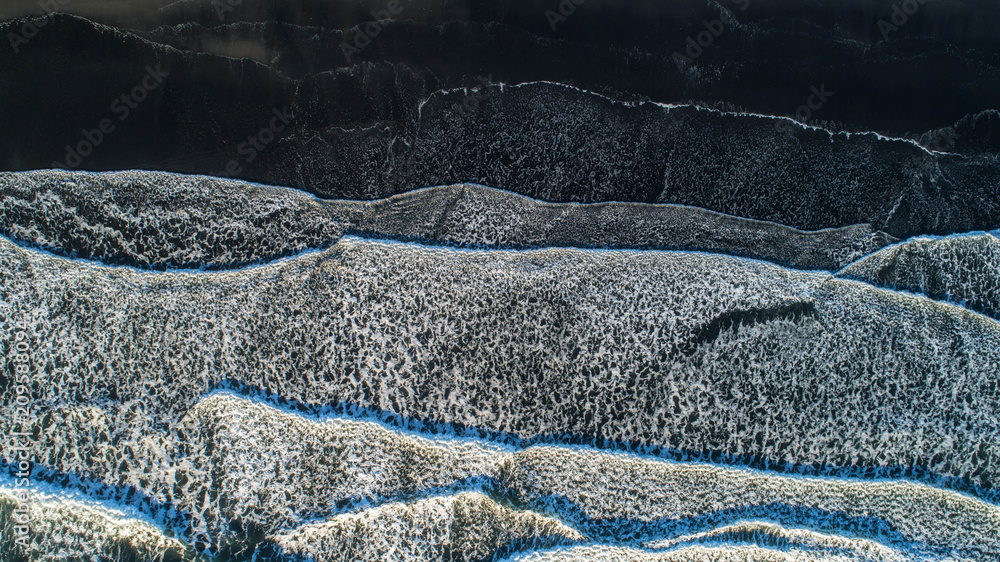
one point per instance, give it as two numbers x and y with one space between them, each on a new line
962 269
249 477
79 529
564 344
773 536
467 526
159 220
689 554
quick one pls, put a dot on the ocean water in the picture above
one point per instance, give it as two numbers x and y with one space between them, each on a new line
383 399
442 281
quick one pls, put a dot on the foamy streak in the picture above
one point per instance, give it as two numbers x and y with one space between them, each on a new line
158 220
608 491
286 475
963 269
275 470
669 106
777 536
687 554
467 526
559 143
690 351
76 529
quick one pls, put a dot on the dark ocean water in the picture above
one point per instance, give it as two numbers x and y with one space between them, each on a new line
578 280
